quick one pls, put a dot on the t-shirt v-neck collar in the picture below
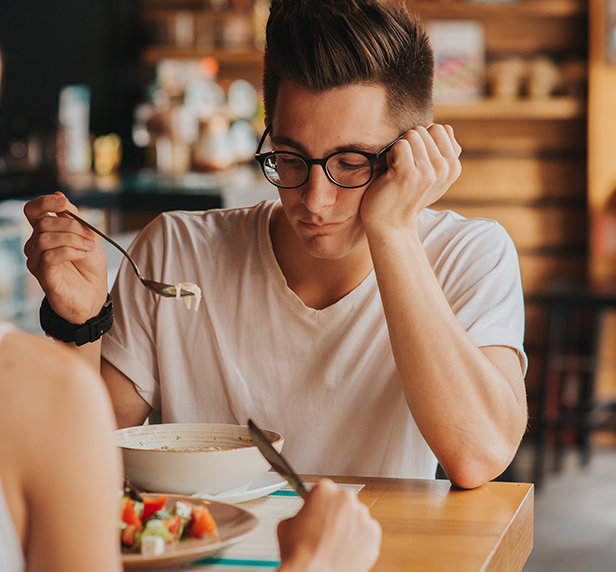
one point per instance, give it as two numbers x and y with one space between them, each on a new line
271 264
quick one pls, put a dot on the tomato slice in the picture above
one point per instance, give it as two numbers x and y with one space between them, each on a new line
202 522
128 535
129 515
152 505
174 525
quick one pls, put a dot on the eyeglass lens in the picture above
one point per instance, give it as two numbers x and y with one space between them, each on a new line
346 169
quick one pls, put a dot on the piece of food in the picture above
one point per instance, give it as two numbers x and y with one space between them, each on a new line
202 522
191 288
152 546
129 514
145 524
152 505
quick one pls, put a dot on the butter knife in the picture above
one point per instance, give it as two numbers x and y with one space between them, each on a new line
276 460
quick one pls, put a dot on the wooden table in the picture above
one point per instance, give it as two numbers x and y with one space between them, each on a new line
430 526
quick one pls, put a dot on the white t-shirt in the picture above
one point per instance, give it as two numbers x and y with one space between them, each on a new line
325 379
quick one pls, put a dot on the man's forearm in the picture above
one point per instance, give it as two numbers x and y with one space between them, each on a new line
471 412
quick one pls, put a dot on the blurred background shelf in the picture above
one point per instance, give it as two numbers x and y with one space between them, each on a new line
153 54
525 8
557 107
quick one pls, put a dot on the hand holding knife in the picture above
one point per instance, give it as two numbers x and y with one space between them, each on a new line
276 460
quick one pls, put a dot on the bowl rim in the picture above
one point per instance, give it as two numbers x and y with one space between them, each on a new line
120 432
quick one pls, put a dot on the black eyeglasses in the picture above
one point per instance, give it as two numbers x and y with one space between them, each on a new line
347 169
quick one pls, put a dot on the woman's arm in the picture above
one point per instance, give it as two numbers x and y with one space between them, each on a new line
69 467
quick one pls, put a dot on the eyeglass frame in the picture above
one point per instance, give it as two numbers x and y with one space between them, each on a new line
372 159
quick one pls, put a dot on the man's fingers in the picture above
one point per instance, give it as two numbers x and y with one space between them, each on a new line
41 206
444 139
69 239
52 252
456 146
61 236
439 131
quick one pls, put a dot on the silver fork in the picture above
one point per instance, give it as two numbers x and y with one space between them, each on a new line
168 290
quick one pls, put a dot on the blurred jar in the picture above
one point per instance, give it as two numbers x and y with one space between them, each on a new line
182 32
237 26
213 151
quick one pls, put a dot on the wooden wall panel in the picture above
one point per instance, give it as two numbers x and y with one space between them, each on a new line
534 379
602 114
532 227
539 271
539 35
520 136
519 179
536 324
527 28
525 165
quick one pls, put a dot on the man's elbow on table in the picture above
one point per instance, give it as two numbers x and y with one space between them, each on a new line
471 471
470 475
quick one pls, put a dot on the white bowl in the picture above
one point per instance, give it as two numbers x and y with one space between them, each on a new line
169 458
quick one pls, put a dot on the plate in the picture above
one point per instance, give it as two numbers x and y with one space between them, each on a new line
234 525
264 485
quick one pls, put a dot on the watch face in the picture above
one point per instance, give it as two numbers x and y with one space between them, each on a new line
242 99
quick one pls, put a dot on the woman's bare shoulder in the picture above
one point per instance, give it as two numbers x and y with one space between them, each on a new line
42 381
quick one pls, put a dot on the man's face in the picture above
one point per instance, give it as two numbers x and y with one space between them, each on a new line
324 216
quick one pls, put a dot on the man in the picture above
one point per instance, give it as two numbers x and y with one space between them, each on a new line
375 334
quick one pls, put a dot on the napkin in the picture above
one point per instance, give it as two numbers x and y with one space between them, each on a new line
220 496
259 553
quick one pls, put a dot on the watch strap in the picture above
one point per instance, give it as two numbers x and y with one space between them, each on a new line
90 331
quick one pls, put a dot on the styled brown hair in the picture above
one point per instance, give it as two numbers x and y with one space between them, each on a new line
324 44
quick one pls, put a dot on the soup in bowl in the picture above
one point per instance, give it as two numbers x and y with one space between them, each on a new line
189 458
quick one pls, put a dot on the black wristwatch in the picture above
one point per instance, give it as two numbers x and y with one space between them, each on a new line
90 331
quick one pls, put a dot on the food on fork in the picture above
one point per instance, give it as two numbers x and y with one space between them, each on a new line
190 287
147 526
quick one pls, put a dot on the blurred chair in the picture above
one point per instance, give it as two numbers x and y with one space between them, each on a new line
568 408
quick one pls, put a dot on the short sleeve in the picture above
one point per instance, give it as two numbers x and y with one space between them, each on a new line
130 345
477 266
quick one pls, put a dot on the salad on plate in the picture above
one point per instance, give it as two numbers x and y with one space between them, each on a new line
148 525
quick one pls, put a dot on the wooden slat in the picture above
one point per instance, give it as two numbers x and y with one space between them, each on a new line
534 35
177 4
521 136
534 380
533 227
520 8
536 324
560 107
601 130
540 271
494 178
602 113
153 54
510 30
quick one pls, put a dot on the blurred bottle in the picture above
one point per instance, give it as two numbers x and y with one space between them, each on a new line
74 153
107 158
74 117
